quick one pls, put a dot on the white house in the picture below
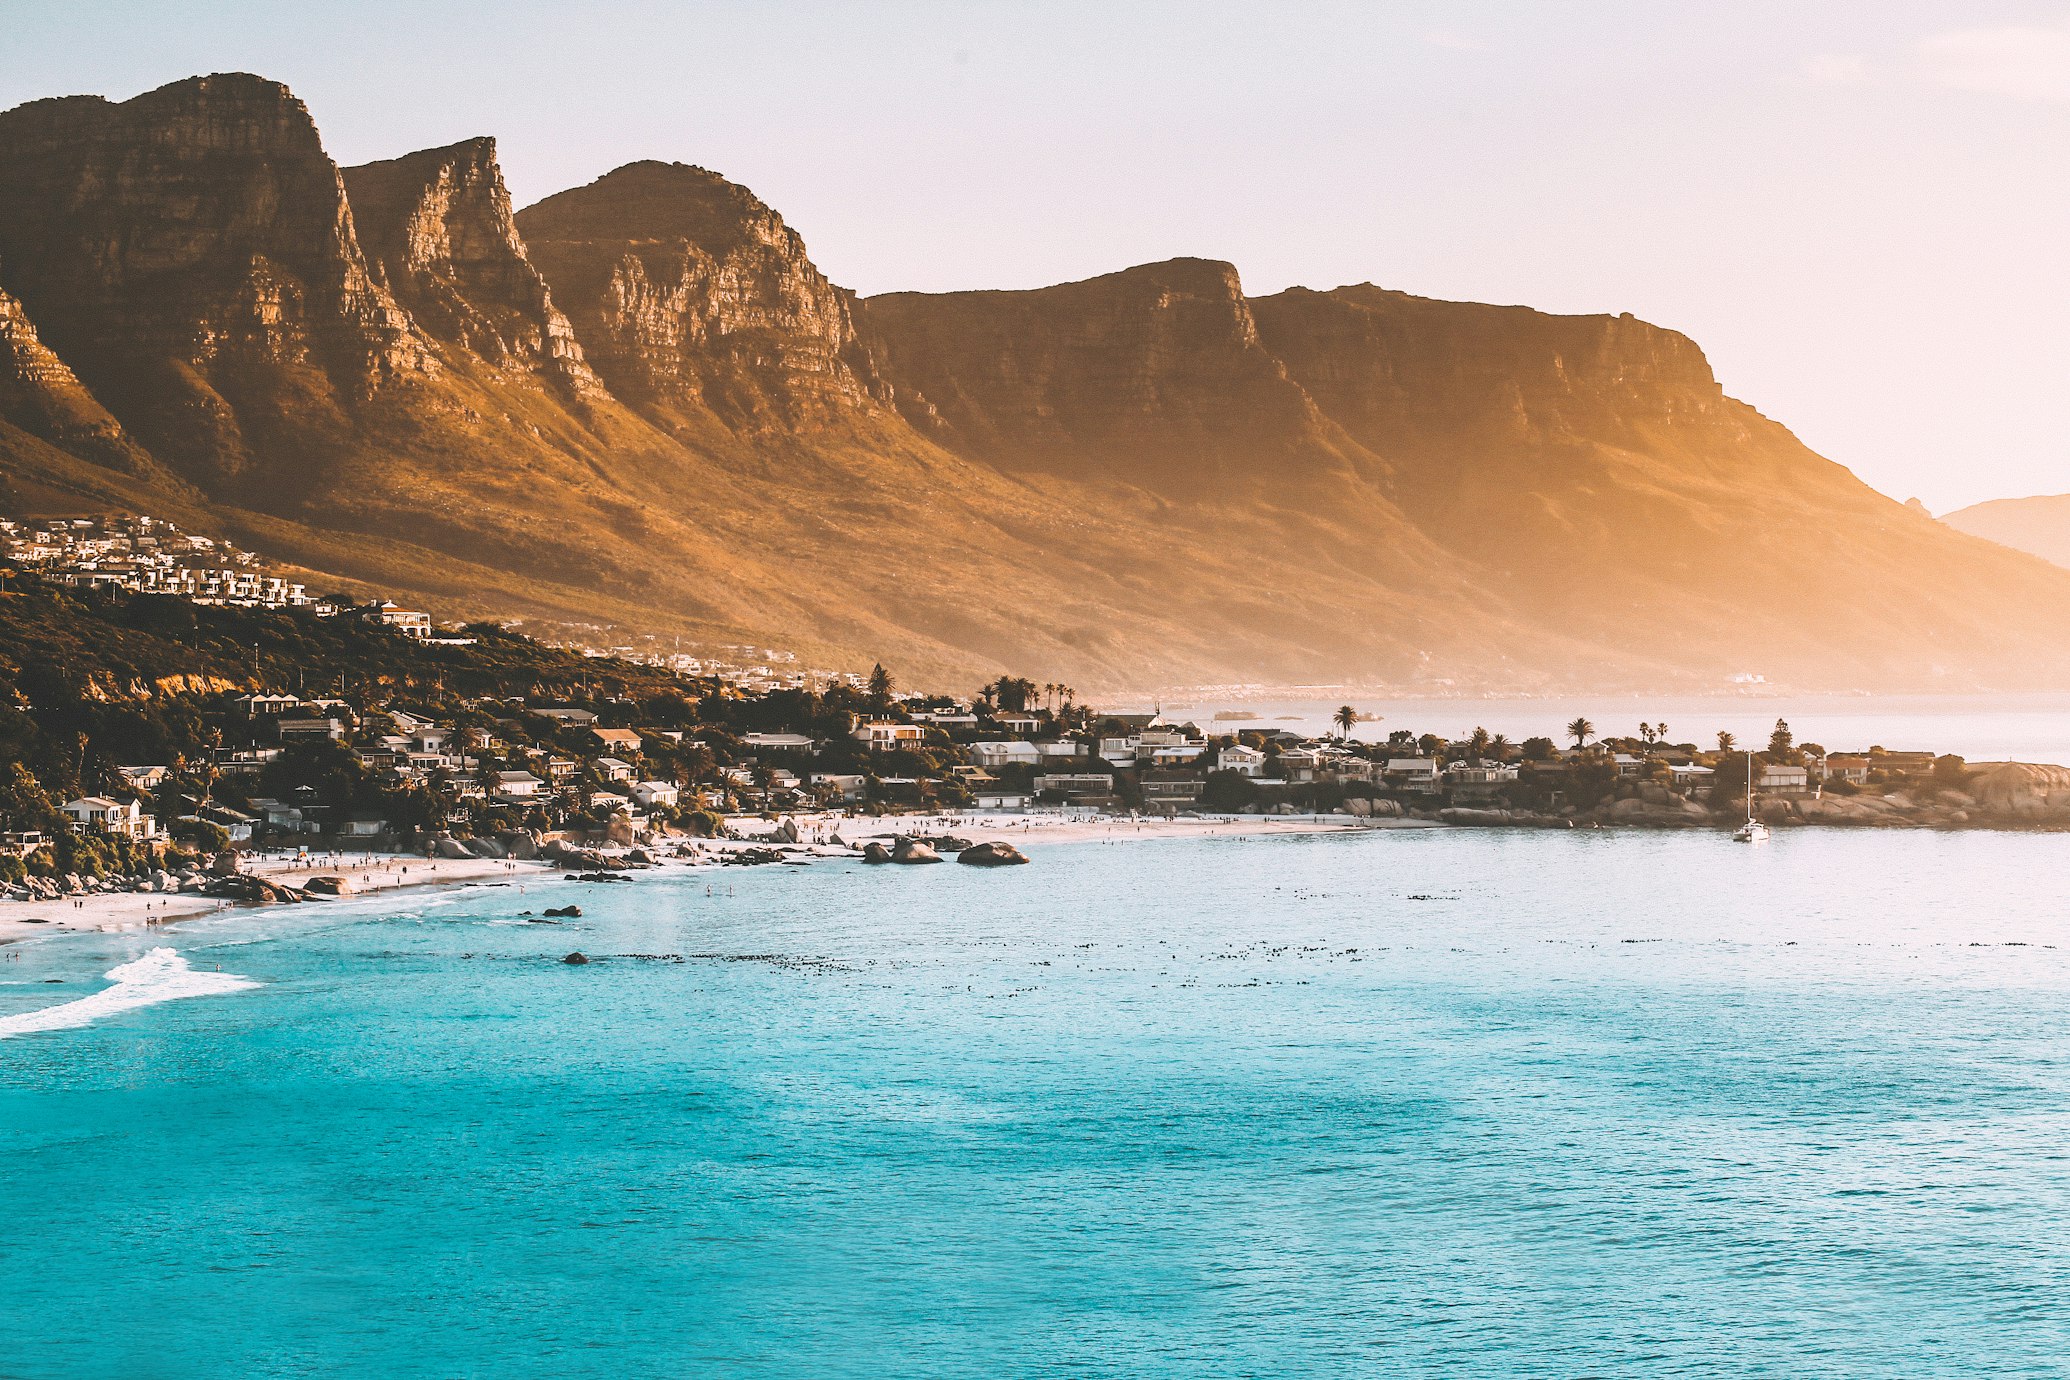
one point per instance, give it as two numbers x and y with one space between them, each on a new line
1780 779
653 795
611 769
849 785
1000 798
1121 751
778 742
517 785
124 817
1412 773
889 737
992 756
1243 760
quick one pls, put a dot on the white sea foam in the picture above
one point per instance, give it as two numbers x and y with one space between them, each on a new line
160 975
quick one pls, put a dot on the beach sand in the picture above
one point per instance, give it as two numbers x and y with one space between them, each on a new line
367 872
376 872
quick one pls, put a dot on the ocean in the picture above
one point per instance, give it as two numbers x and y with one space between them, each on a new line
1405 1103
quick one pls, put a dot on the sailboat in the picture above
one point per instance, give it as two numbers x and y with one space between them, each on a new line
1753 831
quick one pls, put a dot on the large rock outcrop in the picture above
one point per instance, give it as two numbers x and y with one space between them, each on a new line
1153 376
694 299
41 395
439 228
190 254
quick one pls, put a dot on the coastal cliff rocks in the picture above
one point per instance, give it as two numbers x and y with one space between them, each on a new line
190 254
992 854
695 299
2023 790
439 229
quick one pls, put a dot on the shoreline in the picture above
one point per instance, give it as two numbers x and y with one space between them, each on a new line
122 912
375 874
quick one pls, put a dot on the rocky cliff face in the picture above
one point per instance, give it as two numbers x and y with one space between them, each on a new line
191 255
694 299
1154 376
41 395
1390 367
437 225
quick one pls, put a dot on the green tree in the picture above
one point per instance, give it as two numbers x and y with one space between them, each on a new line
880 682
1781 742
1477 744
1581 730
1726 742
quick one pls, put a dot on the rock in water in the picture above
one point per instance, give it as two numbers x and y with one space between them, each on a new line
913 851
577 957
992 855
874 852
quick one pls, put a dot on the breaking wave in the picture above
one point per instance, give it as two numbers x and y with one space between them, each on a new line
160 975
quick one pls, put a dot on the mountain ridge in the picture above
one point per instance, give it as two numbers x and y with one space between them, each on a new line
640 403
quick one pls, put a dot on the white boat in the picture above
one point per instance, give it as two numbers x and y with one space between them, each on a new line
1753 831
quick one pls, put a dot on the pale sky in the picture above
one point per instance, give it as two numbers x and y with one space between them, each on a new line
1859 208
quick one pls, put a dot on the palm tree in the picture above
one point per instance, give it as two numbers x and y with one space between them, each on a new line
1477 744
1646 734
1726 742
1581 730
880 682
1346 719
1499 747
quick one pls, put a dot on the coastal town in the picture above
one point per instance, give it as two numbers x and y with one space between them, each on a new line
473 758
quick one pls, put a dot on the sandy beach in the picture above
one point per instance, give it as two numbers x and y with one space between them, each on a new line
370 873
367 872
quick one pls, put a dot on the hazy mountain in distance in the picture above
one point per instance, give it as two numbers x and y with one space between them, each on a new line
2039 526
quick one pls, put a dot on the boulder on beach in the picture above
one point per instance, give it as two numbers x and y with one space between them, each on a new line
1462 814
484 848
788 831
913 851
328 886
518 844
2023 790
874 852
224 864
451 848
991 855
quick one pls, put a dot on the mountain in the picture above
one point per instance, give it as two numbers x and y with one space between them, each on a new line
701 304
1596 472
2039 526
640 404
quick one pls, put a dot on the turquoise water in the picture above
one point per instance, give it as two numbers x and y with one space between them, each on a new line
1439 1103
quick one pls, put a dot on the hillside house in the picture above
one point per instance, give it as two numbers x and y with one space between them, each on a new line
992 756
883 736
123 817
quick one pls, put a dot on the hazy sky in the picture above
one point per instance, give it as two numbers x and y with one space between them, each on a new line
1859 208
